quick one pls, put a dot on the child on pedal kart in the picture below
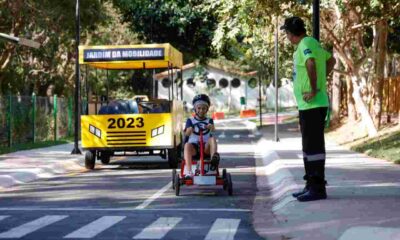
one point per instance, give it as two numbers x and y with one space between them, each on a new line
201 104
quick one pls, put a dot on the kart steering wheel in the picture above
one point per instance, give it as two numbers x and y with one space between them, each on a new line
200 126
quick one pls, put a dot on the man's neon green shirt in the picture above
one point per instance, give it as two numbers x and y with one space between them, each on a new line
307 48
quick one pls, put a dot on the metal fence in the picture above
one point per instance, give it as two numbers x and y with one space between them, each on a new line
29 119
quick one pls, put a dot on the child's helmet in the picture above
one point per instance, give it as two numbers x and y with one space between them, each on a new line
201 99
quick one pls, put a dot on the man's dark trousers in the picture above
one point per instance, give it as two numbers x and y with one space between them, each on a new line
312 124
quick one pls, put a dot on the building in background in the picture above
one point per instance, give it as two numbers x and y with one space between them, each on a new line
229 90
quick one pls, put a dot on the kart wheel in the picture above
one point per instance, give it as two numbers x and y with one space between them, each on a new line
173 178
90 158
105 158
224 178
172 158
229 185
177 184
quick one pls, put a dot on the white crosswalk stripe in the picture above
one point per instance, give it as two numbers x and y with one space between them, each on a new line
158 229
223 228
95 227
236 136
251 136
32 226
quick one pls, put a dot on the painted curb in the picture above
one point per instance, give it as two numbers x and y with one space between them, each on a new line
27 169
275 184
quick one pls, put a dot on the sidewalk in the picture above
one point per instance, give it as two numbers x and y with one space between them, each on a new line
363 193
29 165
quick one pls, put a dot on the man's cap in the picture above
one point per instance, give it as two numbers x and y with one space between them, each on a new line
293 25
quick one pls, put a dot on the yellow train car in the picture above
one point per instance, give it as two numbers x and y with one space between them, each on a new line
134 126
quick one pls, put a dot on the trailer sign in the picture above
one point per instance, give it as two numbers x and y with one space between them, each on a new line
123 54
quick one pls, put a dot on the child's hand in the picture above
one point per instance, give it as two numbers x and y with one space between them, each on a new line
189 131
211 127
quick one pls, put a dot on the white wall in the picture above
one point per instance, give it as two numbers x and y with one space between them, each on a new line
227 98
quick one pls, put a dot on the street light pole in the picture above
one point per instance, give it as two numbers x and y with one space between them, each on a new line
20 41
276 138
76 149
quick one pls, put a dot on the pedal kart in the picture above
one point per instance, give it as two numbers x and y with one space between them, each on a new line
203 176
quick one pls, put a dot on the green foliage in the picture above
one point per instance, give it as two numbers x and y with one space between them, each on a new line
51 23
387 147
179 22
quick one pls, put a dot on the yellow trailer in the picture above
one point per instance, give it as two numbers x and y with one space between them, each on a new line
133 126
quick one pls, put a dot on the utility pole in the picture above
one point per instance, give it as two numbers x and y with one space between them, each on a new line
276 138
76 149
315 19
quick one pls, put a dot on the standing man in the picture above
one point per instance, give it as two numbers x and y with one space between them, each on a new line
312 64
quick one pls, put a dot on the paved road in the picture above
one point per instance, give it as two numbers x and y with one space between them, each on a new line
131 201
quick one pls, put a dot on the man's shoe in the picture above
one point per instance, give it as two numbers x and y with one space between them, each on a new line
296 194
312 195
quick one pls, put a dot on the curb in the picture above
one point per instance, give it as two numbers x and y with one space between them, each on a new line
275 184
20 176
22 167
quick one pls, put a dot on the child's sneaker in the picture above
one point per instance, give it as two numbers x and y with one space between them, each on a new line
214 162
188 176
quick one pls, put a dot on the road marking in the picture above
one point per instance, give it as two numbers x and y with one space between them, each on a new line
3 217
126 209
32 226
370 233
158 229
251 136
236 136
223 228
155 196
95 227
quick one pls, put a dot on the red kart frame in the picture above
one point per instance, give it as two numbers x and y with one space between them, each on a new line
200 177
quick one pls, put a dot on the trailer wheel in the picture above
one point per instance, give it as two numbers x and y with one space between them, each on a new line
105 158
90 159
172 158
177 184
229 181
173 178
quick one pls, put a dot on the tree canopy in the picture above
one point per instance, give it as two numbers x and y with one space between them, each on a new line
52 24
179 22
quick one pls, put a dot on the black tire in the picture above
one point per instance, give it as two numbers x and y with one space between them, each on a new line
105 158
90 159
177 184
172 158
229 181
224 178
173 178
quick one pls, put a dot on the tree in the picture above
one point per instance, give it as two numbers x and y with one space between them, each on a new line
346 24
249 24
179 22
51 23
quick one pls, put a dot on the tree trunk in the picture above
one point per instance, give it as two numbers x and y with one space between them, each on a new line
379 48
362 108
351 108
336 95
